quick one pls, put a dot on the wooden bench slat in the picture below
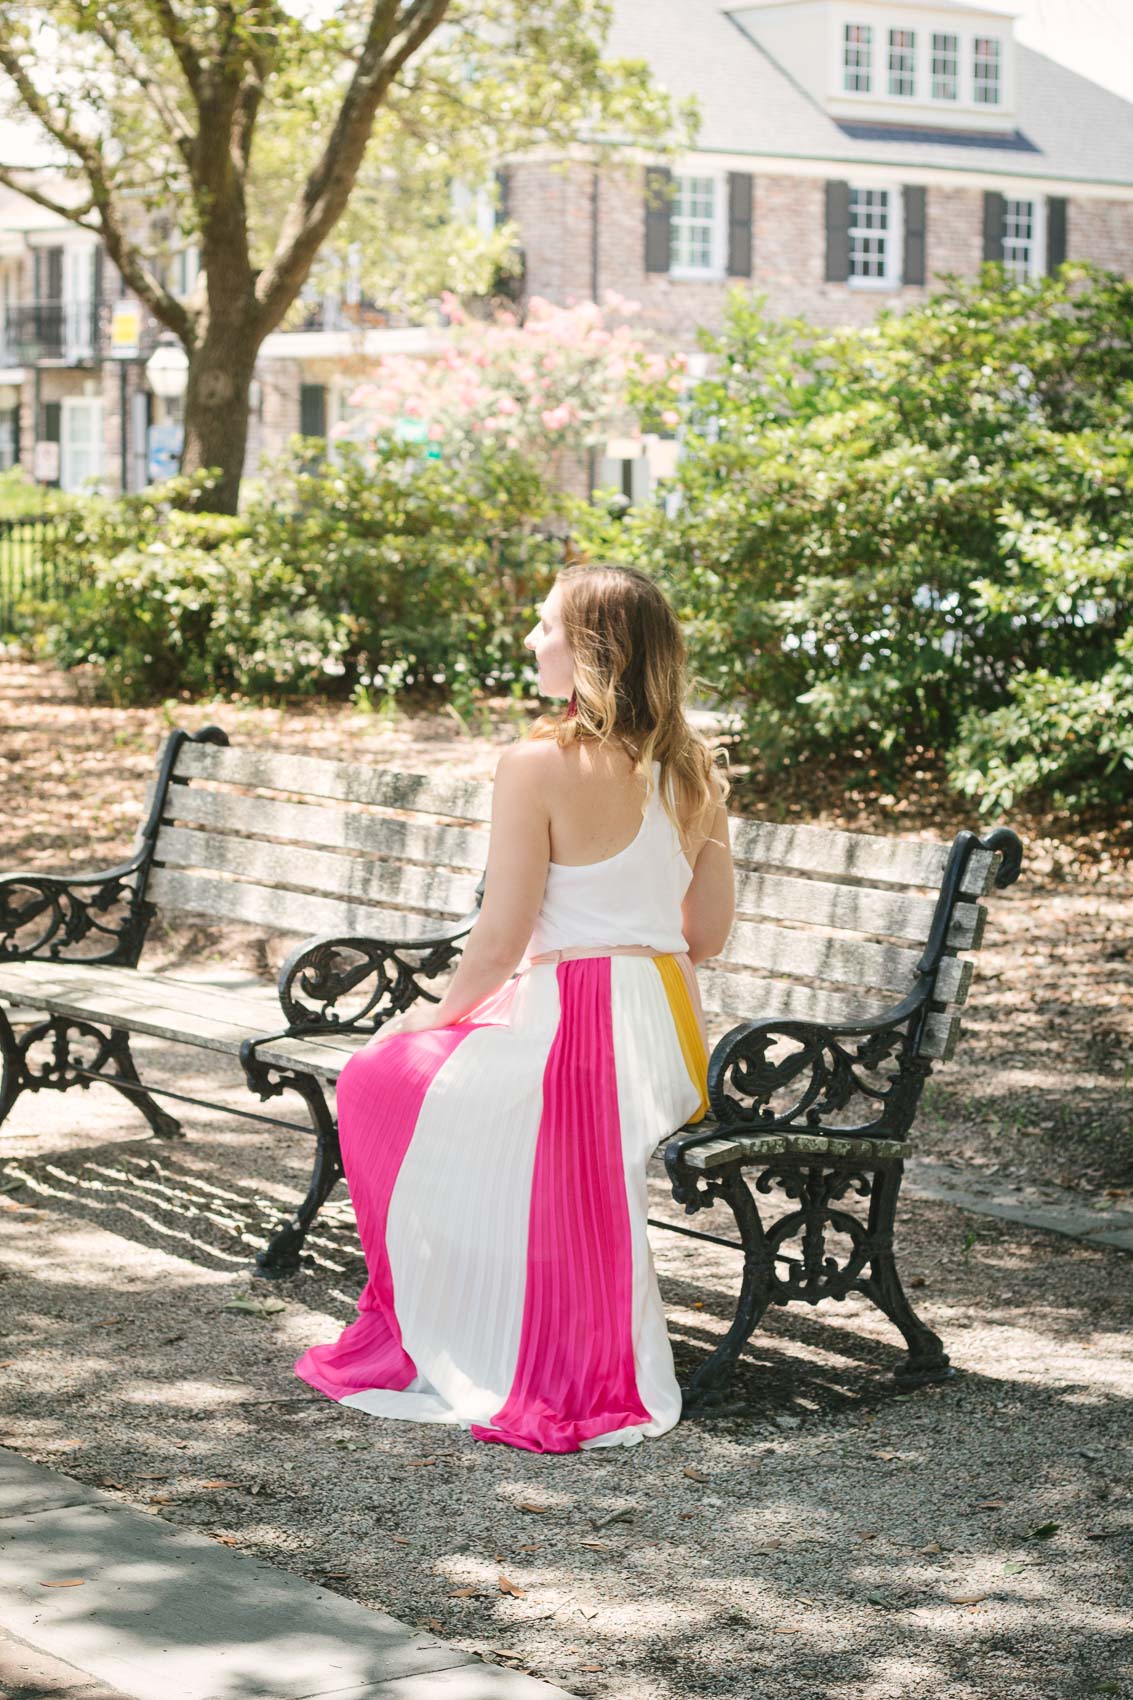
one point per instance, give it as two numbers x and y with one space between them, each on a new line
856 909
346 782
360 879
846 962
868 857
316 825
289 912
751 998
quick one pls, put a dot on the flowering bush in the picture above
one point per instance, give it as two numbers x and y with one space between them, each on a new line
561 380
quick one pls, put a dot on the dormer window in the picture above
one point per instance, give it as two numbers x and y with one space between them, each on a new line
902 62
857 56
986 78
945 67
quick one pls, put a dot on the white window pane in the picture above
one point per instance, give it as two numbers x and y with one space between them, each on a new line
945 67
985 70
902 62
693 223
857 54
869 233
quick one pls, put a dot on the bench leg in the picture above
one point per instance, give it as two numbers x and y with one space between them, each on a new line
927 1360
757 1287
108 1061
283 1254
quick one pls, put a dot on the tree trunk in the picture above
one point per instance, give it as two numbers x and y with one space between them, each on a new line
216 413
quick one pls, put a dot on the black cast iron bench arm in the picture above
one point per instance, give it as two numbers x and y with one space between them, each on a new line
70 907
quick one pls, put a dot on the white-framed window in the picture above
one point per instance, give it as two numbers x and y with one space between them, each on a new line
186 268
1023 235
902 62
857 58
81 444
987 76
696 225
874 236
945 66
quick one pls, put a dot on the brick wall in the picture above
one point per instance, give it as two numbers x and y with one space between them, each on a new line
553 210
1101 231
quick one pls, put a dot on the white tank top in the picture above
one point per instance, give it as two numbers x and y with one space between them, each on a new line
633 897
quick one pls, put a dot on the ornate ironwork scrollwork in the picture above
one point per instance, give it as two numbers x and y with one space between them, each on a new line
106 907
324 973
62 1051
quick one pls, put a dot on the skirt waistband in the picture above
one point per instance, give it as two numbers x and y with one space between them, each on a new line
571 952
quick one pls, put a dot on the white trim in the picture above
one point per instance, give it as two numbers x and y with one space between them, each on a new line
894 239
718 269
1036 265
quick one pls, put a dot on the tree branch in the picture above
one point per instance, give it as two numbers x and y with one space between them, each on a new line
175 121
390 41
176 33
9 174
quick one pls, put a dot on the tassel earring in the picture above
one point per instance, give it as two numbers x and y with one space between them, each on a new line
572 706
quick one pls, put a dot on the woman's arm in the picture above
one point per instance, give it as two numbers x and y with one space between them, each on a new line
519 851
709 906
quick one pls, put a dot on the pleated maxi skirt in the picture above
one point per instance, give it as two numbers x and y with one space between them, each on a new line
497 1168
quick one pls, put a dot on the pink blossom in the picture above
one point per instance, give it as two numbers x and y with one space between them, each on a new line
676 383
436 433
450 306
342 429
551 362
670 417
414 406
507 405
554 418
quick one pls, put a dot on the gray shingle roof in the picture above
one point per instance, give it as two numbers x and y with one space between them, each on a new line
1069 127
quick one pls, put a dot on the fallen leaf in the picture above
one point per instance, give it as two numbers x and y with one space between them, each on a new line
6 1363
209 1487
965 1599
255 1307
989 1505
887 1457
506 1652
171 1339
918 1281
878 1600
467 1594
529 1505
402 1540
431 1623
419 1463
933 1546
161 1499
695 1475
787 1629
685 1515
225 1540
867 1534
334 1575
507 1587
1044 1532
597 1523
1013 1567
591 1667
536 1546
108 1322
72 1582
108 1481
596 1546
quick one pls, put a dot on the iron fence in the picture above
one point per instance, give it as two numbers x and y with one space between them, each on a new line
28 571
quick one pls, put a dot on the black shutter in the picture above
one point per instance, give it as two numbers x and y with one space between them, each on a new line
312 410
53 428
914 199
739 224
837 232
54 274
658 218
1055 231
503 195
995 216
99 274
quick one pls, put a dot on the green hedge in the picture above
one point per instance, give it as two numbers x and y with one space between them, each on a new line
338 579
917 536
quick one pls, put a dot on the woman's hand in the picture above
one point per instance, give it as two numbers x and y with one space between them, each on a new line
419 1018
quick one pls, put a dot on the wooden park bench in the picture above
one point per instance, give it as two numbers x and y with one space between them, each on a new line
842 970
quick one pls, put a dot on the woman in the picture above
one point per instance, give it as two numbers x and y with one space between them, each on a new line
495 1143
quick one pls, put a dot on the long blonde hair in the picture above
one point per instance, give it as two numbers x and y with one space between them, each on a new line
630 684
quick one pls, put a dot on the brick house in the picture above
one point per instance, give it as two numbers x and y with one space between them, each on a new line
850 152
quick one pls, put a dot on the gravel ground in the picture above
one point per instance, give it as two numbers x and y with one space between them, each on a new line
829 1538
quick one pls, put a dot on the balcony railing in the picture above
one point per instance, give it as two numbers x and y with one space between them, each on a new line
52 330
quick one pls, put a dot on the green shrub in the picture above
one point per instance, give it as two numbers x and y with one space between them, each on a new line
347 577
881 536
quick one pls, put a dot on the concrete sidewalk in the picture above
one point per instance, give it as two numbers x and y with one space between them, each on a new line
99 1601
